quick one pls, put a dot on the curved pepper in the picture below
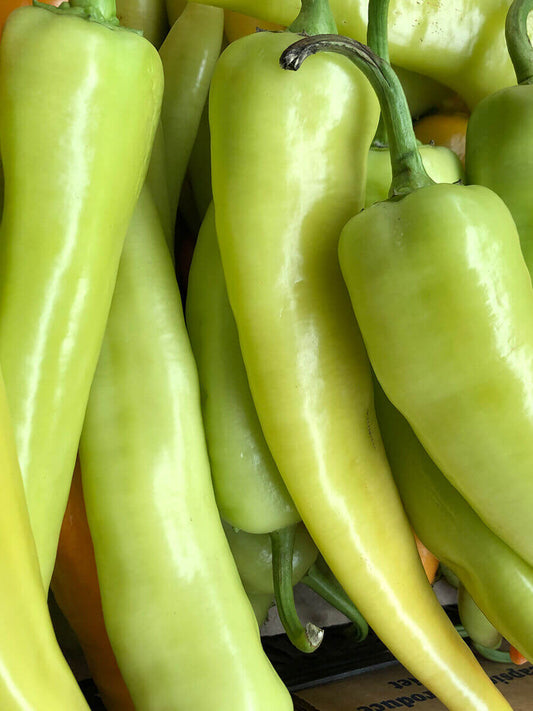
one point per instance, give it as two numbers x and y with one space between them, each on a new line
249 490
498 152
445 305
495 576
72 174
175 610
407 615
288 156
77 593
459 43
33 672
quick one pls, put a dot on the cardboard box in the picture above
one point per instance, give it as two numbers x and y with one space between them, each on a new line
393 687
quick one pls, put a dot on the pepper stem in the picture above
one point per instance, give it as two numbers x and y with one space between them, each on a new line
307 638
314 18
101 10
408 172
377 41
320 579
518 43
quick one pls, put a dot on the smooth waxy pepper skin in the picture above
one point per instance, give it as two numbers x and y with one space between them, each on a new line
79 102
499 153
496 577
182 629
444 301
460 43
250 492
33 673
285 177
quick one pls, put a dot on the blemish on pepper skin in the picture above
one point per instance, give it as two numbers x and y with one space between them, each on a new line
369 428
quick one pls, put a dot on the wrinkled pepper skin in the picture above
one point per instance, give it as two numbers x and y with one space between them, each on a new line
248 487
176 613
73 170
285 178
459 43
33 672
444 301
499 581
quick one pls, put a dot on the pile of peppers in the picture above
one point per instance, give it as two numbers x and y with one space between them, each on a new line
266 321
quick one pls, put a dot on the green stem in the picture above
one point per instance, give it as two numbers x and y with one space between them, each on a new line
320 579
377 40
315 18
307 638
101 10
493 655
518 43
408 172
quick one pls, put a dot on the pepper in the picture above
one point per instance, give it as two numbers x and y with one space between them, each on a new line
72 176
176 613
188 54
445 305
459 43
249 490
497 579
33 672
288 160
237 25
174 9
250 493
498 153
258 560
441 163
479 629
77 593
149 16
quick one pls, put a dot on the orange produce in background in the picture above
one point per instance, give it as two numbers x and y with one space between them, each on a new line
447 130
77 593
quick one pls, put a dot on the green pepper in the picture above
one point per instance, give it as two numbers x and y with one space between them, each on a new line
273 564
288 165
74 166
178 618
33 672
499 153
258 560
444 301
249 490
498 580
149 16
189 54
459 43
476 624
